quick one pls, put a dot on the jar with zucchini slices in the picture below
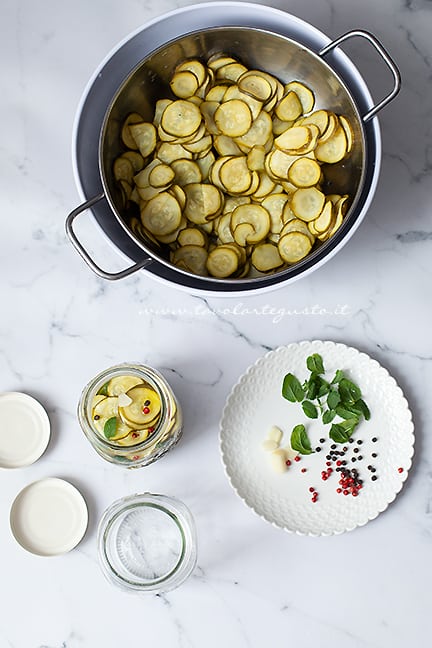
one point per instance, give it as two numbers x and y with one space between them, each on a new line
130 415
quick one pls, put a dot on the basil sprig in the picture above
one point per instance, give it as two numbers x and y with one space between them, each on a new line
340 398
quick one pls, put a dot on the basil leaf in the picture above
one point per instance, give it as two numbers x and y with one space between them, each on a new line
339 375
300 440
338 434
292 389
363 408
324 388
309 409
333 399
312 386
103 391
110 427
328 416
349 425
315 363
345 412
348 391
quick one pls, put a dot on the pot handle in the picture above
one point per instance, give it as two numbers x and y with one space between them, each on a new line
111 276
384 55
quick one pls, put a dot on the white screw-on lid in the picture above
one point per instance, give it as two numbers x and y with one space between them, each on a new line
49 517
24 430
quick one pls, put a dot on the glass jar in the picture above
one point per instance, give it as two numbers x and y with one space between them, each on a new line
107 425
147 543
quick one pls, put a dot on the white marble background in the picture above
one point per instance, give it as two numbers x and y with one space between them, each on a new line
254 585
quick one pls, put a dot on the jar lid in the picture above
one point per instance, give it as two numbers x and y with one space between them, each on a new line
24 430
49 517
147 542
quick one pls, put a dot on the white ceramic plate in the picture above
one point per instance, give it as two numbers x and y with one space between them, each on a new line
256 403
24 430
49 517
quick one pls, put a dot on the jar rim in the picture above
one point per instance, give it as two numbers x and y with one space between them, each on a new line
178 513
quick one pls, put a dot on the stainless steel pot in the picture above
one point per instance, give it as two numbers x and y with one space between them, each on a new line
283 57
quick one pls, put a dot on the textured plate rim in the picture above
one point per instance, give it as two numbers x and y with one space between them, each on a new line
311 344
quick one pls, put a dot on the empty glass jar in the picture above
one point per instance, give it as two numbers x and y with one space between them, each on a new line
147 543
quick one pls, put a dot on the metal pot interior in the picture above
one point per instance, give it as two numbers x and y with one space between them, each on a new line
278 55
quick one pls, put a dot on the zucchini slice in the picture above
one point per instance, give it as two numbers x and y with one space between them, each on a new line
162 214
121 384
144 408
265 257
233 118
307 204
222 262
294 246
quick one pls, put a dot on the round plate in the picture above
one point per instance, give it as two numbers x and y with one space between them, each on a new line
284 499
24 430
49 517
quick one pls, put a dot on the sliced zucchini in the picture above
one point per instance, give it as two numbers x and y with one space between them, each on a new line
144 409
162 214
289 107
108 409
135 437
161 176
255 216
184 84
294 246
135 158
324 220
191 258
181 118
168 152
123 170
186 172
233 118
235 175
230 72
265 257
121 384
192 236
222 262
144 135
256 85
307 204
293 139
333 149
304 172
259 133
349 133
128 140
196 67
305 95
203 202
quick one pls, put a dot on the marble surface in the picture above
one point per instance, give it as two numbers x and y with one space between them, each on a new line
59 325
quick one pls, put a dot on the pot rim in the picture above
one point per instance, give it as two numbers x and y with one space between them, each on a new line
117 63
